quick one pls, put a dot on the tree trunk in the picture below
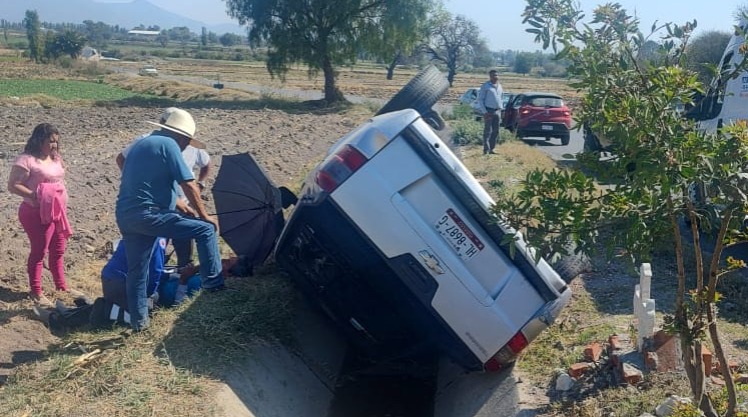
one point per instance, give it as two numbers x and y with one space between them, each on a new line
332 94
393 64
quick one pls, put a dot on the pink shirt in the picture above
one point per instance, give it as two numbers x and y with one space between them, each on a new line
39 173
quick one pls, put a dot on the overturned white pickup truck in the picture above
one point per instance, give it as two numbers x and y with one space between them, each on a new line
392 237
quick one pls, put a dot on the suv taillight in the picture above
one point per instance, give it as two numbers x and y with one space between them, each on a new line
338 167
507 354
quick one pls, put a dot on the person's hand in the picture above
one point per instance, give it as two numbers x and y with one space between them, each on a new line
212 220
487 116
183 207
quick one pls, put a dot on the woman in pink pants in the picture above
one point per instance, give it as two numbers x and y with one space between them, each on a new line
38 175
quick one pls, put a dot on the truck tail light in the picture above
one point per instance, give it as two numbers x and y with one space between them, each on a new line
338 167
506 354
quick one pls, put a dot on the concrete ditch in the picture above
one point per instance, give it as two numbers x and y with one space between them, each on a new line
309 379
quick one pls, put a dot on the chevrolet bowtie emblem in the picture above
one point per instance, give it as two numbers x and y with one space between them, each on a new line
431 262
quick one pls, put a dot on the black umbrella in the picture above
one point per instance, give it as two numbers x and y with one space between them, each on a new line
248 206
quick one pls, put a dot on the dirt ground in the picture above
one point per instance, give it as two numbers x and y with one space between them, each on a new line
284 144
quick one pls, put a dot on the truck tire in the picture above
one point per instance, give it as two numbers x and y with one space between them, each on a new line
434 120
420 94
570 266
591 142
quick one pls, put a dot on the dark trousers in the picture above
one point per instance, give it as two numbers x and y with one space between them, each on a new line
183 249
490 130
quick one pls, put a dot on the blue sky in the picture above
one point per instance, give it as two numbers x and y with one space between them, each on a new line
501 22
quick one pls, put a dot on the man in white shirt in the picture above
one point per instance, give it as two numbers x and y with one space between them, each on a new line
194 158
490 105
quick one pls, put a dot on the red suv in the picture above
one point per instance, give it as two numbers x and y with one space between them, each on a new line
538 114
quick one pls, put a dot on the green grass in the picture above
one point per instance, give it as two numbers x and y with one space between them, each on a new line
65 90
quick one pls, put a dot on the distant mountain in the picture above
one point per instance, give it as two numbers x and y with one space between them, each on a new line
128 15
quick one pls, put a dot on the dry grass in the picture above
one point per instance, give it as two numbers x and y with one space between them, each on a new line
173 368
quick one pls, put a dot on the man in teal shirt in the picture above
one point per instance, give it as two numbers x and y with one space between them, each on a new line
146 209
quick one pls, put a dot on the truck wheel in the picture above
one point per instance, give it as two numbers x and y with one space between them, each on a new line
569 267
434 120
565 139
420 93
591 142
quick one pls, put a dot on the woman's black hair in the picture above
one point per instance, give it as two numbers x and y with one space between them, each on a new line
41 133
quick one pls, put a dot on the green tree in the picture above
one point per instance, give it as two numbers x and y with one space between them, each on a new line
68 43
163 38
452 41
397 35
212 37
632 106
97 33
230 39
34 35
181 34
704 53
523 62
323 34
482 56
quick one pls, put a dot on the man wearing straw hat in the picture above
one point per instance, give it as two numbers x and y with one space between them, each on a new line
146 209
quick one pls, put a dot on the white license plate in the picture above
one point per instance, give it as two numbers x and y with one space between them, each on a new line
546 127
458 234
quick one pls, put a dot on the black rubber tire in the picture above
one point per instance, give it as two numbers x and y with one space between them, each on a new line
569 267
420 93
434 120
565 139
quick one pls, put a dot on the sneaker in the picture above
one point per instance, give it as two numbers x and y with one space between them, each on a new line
40 300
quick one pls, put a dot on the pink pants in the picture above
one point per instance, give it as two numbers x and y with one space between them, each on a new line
43 238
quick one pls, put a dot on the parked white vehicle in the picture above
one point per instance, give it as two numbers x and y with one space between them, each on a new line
726 99
393 238
148 71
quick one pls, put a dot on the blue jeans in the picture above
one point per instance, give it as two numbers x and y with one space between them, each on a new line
139 228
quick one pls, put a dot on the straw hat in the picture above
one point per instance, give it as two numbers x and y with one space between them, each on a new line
181 122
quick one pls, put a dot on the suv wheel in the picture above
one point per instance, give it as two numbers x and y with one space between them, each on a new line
565 139
434 120
420 94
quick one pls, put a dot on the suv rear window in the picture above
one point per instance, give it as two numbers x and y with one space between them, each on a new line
545 102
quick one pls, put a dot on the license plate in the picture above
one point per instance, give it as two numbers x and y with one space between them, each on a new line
458 234
546 127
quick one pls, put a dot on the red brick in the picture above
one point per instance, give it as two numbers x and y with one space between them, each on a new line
717 380
631 375
731 363
706 357
578 369
592 352
651 361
